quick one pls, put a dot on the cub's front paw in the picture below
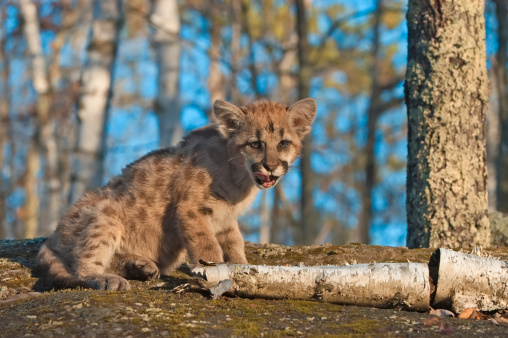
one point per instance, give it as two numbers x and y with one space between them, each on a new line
235 257
108 282
141 269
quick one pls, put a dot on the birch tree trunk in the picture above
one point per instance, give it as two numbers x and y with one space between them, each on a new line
382 285
94 102
43 127
307 219
78 41
285 94
233 93
247 28
56 160
502 91
166 19
465 281
31 212
264 213
446 96
216 83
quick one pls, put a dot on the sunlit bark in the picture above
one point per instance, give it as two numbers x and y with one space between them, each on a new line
96 83
447 91
166 20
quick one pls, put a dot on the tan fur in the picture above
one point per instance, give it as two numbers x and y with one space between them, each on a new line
175 200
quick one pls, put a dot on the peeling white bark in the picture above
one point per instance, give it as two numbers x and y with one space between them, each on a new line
383 285
96 82
33 40
44 135
465 281
166 20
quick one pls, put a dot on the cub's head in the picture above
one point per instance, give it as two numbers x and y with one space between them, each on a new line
264 137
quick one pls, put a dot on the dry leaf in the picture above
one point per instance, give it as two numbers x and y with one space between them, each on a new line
206 263
466 313
479 315
180 288
431 321
441 313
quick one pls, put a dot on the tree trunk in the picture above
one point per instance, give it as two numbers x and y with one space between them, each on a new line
382 285
31 209
79 33
166 19
502 91
285 94
465 281
307 219
216 85
275 226
43 135
54 154
493 132
97 89
446 96
4 132
247 28
373 113
264 213
233 93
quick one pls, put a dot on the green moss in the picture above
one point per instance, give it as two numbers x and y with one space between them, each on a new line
151 309
305 307
361 326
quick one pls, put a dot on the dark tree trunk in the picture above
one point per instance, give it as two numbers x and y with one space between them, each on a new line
373 112
501 80
306 201
4 131
446 96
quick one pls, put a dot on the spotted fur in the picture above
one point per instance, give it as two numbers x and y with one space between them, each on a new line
175 201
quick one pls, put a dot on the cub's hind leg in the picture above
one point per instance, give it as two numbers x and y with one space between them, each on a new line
134 267
95 250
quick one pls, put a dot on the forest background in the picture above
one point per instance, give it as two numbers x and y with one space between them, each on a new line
87 87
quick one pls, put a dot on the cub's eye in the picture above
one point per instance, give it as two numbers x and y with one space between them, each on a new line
284 144
255 144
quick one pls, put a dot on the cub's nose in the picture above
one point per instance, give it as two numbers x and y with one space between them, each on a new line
270 167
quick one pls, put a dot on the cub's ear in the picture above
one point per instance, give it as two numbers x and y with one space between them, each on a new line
229 117
301 116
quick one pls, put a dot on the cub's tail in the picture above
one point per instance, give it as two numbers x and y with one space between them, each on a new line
52 272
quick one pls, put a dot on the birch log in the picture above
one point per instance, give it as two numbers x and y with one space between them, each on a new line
383 285
166 20
96 83
465 281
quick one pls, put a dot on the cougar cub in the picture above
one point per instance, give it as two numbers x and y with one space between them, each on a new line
176 200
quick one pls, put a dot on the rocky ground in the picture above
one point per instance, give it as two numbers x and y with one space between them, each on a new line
159 307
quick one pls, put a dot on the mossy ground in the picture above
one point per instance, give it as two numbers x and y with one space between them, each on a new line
154 309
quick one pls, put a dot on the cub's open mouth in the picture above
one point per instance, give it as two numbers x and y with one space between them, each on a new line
267 181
